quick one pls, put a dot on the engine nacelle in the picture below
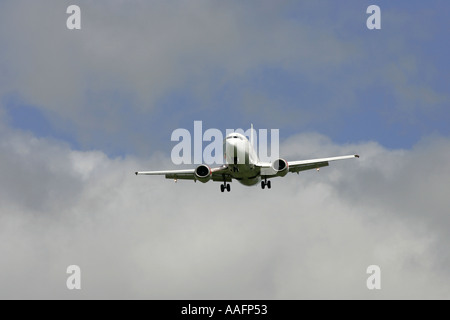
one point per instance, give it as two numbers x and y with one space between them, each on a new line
281 167
203 173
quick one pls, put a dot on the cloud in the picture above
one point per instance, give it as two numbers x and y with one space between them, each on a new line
167 44
133 72
101 81
310 236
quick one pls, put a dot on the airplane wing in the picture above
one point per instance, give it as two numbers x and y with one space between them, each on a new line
217 174
171 174
297 166
268 171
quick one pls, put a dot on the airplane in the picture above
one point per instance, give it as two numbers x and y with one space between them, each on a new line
248 171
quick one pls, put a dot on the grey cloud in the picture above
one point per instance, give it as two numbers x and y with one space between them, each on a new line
97 83
310 236
131 57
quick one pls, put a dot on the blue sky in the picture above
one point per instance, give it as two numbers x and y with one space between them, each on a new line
300 67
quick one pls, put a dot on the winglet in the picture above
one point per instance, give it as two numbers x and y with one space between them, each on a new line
136 173
356 155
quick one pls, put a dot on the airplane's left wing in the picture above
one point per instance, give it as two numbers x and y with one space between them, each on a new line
217 174
296 166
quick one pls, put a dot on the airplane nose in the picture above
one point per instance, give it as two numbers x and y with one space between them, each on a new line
231 146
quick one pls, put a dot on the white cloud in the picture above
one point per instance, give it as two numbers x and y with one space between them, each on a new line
311 235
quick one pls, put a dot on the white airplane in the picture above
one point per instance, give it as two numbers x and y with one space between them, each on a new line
242 164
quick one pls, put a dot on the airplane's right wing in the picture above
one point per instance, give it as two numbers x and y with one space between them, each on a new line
188 174
217 174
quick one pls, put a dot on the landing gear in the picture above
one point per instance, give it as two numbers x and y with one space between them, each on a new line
265 183
225 186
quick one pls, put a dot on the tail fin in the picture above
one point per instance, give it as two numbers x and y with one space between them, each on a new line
251 134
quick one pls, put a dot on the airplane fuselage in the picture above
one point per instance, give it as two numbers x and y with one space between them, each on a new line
241 157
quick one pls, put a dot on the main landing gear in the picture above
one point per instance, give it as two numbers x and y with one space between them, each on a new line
265 183
225 186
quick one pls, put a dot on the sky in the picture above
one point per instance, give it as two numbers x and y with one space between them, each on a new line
82 110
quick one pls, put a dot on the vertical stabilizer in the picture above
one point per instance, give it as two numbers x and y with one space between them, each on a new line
251 135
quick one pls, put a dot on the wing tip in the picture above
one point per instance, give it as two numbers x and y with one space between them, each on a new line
356 155
136 173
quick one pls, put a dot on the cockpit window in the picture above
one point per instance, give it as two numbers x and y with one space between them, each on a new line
235 137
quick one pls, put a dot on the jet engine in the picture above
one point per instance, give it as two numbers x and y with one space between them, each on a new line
281 167
203 173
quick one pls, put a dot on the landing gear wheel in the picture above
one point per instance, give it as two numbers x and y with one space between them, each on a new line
225 186
265 183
